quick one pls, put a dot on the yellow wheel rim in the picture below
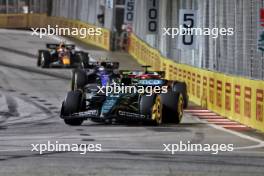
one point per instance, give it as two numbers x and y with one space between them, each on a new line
157 111
180 107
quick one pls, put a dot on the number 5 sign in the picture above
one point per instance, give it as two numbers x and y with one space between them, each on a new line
129 11
187 20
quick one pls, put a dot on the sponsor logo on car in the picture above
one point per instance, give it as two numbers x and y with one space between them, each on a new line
130 114
150 82
88 113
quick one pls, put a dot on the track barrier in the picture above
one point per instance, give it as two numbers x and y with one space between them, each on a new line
239 99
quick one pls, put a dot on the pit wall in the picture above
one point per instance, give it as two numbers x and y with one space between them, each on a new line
236 98
42 20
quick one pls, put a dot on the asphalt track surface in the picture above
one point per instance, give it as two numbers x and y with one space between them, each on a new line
30 100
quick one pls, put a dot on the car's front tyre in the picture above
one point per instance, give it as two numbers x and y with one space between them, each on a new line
79 79
73 122
82 58
44 59
72 104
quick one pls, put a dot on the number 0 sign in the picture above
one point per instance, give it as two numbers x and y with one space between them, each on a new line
152 16
187 20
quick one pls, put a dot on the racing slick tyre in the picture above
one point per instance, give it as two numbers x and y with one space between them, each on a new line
72 104
43 59
157 110
152 106
172 104
73 122
83 59
38 61
79 79
145 104
181 87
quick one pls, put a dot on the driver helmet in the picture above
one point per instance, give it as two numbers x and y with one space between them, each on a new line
62 45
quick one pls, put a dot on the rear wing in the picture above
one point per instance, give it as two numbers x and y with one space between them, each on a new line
55 46
126 73
130 72
106 65
110 65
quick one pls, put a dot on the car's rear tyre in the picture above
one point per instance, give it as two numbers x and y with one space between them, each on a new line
172 103
181 87
157 111
151 106
72 104
79 79
146 103
44 59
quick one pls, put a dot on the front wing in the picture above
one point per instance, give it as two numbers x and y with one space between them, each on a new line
119 115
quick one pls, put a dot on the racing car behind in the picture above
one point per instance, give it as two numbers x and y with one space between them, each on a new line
96 72
62 56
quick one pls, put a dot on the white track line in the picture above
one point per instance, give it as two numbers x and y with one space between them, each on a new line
259 145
